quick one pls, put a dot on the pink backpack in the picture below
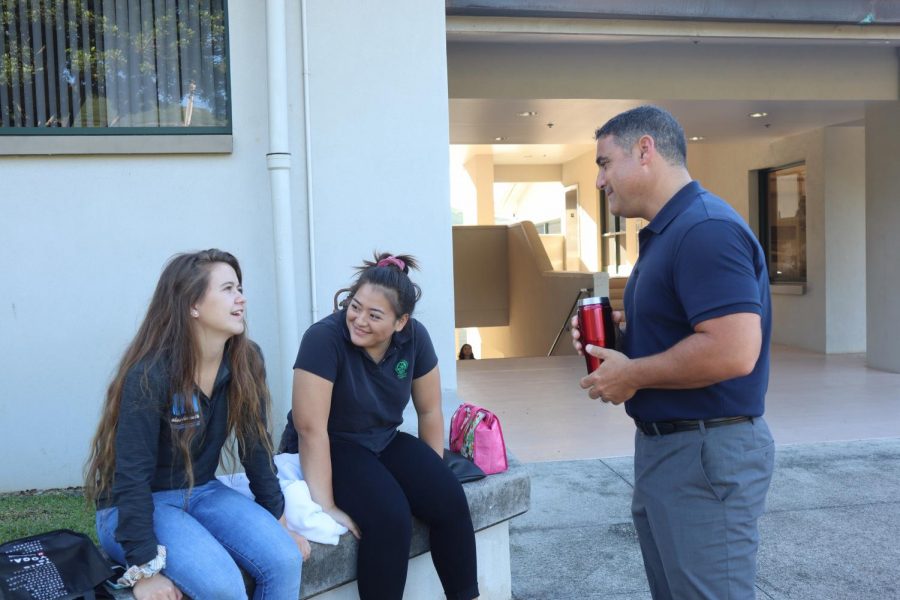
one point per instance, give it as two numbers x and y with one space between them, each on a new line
476 434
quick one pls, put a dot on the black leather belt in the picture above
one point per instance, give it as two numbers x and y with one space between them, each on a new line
667 427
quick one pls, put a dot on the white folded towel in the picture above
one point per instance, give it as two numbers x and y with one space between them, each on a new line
303 515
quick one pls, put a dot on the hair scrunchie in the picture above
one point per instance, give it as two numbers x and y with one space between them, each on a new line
392 260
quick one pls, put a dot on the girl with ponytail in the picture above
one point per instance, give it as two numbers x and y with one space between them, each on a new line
354 375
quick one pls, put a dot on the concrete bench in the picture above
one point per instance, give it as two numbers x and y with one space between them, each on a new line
330 572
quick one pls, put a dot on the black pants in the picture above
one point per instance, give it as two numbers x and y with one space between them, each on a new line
381 492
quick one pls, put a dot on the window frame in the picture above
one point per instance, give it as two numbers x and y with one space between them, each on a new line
765 231
612 237
215 145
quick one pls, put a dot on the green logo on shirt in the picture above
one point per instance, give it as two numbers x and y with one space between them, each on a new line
401 369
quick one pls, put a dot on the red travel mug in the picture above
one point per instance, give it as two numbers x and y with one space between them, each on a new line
596 327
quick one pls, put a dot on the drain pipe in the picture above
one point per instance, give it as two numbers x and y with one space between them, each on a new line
278 162
307 137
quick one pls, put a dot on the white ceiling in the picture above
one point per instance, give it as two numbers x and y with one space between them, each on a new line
481 121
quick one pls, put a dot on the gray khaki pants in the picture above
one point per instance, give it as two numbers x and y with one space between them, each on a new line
697 498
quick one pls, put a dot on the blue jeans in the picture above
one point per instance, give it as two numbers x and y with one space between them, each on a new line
698 496
207 535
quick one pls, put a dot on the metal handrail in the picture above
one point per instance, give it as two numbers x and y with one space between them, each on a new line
565 324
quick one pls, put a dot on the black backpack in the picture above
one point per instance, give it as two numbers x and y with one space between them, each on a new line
57 565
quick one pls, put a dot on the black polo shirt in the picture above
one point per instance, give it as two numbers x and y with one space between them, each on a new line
368 398
698 260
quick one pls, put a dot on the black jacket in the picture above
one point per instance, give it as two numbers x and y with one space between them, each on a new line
146 461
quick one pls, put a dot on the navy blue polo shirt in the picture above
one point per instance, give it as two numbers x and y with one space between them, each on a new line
698 260
368 398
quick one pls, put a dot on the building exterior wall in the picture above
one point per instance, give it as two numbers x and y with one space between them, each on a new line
380 147
83 238
82 242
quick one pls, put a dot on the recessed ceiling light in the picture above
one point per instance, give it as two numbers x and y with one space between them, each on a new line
758 115
696 138
499 138
527 113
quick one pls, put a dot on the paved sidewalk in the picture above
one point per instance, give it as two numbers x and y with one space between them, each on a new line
831 531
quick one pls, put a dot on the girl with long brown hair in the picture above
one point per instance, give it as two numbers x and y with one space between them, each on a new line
190 380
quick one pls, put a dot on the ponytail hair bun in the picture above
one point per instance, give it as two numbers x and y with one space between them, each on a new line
391 273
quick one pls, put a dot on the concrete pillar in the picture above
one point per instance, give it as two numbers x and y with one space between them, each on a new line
397 200
882 239
845 226
481 170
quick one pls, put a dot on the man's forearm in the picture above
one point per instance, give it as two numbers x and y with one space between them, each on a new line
703 358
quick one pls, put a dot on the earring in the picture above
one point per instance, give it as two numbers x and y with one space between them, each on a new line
195 313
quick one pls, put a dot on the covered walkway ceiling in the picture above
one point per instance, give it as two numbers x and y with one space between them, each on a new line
574 74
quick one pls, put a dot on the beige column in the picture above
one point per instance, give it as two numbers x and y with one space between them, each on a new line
845 227
481 170
883 235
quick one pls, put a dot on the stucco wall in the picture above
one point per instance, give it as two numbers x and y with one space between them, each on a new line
82 243
83 239
380 147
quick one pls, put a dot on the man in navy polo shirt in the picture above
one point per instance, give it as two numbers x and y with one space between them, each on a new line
693 367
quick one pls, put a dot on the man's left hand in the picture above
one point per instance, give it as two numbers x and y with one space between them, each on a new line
610 381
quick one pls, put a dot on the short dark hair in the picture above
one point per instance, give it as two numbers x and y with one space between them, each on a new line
650 120
391 273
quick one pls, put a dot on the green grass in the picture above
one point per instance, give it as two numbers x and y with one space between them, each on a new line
28 513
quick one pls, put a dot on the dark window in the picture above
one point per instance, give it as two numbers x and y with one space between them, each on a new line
113 66
783 222
612 234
